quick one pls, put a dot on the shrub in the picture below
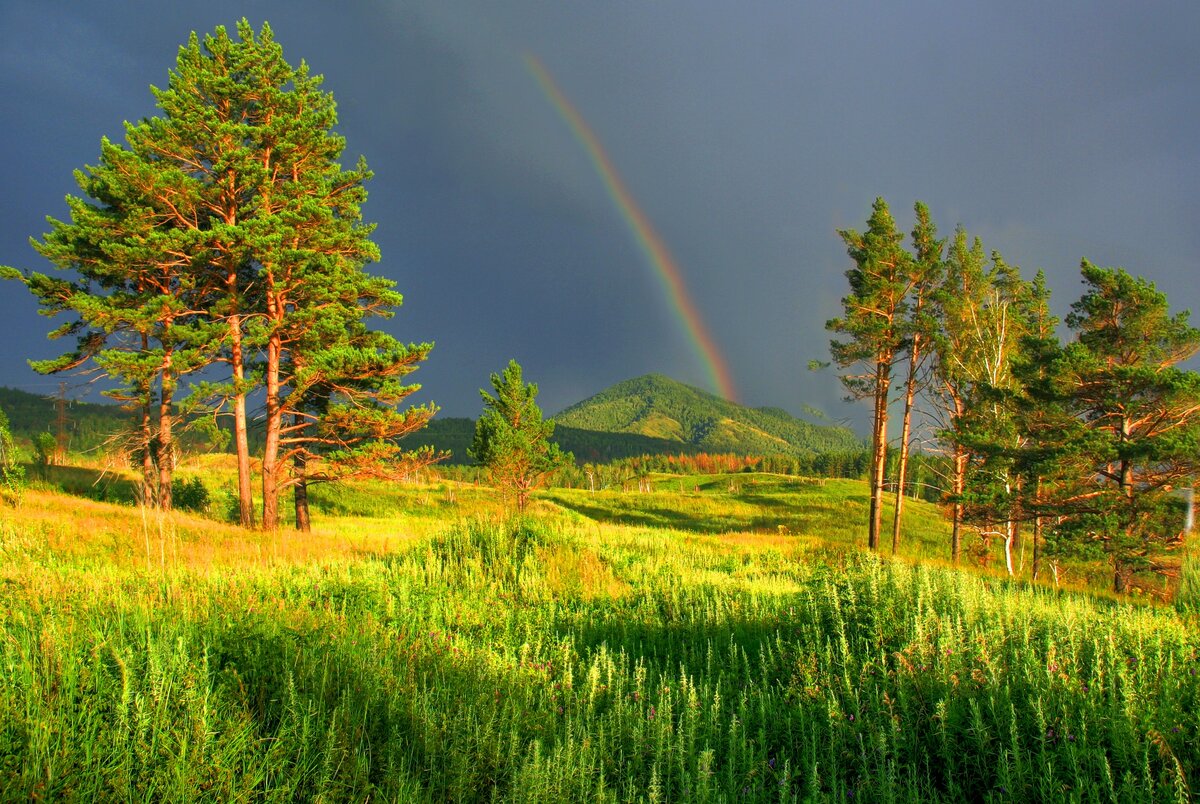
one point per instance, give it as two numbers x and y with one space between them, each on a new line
46 447
189 494
12 474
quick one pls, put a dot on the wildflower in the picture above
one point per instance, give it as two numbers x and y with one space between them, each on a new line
652 712
771 763
850 717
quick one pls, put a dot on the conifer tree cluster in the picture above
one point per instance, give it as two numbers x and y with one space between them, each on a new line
222 249
1086 441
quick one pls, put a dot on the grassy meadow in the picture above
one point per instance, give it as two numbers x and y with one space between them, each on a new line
718 639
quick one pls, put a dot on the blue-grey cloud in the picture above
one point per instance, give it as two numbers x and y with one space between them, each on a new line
748 133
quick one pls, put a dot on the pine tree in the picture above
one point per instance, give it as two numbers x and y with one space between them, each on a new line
130 301
207 134
1136 414
874 312
224 231
511 438
927 268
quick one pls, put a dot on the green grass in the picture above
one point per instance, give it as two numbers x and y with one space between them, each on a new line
559 659
826 510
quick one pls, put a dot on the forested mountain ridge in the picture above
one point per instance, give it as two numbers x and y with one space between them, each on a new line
88 424
648 415
660 408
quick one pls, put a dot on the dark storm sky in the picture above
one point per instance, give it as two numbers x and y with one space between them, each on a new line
748 132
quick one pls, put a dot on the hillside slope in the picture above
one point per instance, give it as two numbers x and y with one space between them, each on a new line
88 424
660 408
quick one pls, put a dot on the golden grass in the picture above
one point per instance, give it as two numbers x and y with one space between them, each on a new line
72 529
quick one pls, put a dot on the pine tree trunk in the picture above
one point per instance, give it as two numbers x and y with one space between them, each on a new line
303 520
1018 515
910 387
240 435
149 493
270 462
1120 571
878 455
166 446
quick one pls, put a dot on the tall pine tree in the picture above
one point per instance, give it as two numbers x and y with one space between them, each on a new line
927 268
873 327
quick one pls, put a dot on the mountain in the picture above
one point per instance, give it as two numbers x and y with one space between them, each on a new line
456 434
683 418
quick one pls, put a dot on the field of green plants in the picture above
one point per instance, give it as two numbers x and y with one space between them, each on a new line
435 650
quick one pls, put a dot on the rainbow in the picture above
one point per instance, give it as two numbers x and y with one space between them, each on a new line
653 246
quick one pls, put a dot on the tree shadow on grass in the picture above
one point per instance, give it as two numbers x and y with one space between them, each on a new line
82 481
651 517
